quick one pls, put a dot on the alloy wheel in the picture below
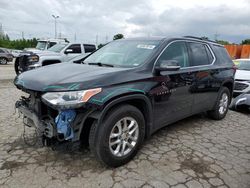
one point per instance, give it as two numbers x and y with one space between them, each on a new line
223 103
124 136
3 61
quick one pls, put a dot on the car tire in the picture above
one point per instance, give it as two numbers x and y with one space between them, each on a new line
222 104
117 140
17 67
3 61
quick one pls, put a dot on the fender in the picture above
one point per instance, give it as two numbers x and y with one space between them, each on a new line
148 115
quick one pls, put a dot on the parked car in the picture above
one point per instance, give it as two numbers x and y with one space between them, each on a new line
125 91
15 53
242 76
61 52
5 56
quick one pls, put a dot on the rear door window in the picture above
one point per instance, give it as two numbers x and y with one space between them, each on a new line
76 48
199 54
89 48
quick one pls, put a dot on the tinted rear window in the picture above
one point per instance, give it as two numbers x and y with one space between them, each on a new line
221 54
199 54
89 48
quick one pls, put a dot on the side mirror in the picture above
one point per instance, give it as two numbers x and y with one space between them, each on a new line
168 65
68 51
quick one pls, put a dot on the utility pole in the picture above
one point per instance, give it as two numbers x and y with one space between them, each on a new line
1 28
216 35
55 17
22 35
75 37
106 38
96 40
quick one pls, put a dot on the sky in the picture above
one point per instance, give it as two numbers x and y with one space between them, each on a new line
98 21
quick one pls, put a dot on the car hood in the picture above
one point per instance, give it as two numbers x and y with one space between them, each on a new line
242 75
70 76
47 53
34 50
40 53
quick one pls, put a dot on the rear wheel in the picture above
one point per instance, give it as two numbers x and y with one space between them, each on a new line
117 140
222 105
3 61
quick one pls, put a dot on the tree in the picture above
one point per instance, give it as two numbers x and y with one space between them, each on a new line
222 42
7 37
246 41
118 36
17 44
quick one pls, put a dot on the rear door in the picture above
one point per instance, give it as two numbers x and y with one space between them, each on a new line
203 83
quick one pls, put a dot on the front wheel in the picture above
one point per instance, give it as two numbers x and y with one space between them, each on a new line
117 140
222 104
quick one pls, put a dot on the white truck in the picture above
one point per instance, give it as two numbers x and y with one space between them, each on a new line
61 52
45 44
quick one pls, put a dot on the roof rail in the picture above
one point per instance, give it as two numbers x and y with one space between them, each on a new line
200 38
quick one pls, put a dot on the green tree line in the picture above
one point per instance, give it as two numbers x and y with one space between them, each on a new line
18 44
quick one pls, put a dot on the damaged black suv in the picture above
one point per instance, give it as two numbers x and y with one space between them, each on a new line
125 91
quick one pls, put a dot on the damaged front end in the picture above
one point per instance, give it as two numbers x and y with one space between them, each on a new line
57 117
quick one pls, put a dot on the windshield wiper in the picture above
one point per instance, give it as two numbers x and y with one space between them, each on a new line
101 64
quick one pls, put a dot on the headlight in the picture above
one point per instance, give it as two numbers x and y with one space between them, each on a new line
70 99
33 58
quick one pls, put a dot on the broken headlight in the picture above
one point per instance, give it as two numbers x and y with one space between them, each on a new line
69 99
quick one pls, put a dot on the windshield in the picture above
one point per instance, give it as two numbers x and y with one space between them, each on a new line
242 65
41 45
57 47
124 53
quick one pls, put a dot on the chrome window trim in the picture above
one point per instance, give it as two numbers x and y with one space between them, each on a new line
214 58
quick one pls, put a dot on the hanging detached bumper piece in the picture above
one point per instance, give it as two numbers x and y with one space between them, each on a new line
63 124
241 103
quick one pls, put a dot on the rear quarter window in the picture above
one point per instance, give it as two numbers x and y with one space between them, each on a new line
221 55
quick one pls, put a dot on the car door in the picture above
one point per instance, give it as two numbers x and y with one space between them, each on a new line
172 98
72 51
204 85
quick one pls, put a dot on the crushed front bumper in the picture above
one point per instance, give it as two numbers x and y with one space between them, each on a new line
31 119
48 125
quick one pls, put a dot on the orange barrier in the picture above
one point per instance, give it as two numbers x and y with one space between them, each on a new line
232 50
238 51
245 52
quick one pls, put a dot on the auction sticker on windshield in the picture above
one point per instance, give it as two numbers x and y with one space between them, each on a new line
145 46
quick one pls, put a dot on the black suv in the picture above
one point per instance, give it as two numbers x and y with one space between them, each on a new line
125 91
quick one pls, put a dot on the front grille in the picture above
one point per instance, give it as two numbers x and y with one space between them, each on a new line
240 86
